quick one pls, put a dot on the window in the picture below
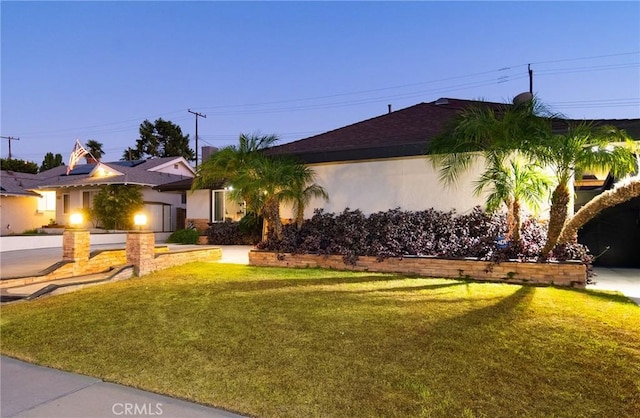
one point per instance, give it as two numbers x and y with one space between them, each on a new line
218 206
47 202
87 199
66 202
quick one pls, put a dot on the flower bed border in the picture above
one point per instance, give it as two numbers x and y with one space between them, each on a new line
567 273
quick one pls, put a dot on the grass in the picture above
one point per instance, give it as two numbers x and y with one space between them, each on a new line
290 343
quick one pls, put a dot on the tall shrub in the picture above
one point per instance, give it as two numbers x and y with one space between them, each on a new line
115 204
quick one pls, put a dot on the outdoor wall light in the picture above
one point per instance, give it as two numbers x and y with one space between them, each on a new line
140 220
76 219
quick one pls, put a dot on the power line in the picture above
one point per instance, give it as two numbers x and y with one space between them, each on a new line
504 74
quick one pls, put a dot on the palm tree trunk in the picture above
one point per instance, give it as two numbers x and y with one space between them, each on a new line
510 220
272 215
515 235
299 215
557 217
599 203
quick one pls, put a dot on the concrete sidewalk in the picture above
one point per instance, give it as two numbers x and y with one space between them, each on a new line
35 391
623 280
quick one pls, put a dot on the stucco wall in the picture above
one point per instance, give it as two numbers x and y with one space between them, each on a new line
20 214
409 183
198 205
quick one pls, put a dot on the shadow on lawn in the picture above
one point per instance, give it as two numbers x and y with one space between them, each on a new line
606 295
270 284
506 309
433 286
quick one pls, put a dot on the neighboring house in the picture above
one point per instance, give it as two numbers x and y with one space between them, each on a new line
21 208
75 191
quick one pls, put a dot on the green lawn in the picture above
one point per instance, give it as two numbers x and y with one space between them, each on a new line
303 343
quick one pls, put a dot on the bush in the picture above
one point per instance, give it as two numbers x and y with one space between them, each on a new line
115 204
397 233
234 233
184 236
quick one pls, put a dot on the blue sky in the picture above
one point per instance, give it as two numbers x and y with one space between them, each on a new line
96 70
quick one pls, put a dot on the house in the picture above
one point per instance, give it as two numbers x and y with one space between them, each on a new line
65 193
21 208
380 164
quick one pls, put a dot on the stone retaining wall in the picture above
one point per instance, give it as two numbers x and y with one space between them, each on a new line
104 261
571 273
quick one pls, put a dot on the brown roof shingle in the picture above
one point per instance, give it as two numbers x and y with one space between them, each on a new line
405 132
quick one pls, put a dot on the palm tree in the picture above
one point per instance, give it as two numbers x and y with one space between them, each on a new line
226 163
301 190
496 136
512 185
263 182
480 131
623 192
95 150
269 181
583 147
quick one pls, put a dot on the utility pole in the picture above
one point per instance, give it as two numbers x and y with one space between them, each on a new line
202 116
530 78
10 138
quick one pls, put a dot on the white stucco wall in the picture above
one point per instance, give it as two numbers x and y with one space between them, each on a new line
409 183
20 214
198 204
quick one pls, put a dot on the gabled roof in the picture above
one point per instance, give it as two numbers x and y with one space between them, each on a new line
405 132
141 172
17 184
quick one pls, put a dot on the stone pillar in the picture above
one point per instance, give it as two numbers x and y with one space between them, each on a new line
141 251
76 247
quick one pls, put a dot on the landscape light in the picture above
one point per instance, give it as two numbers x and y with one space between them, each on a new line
75 219
140 220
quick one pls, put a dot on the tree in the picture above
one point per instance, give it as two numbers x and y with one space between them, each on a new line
301 190
527 127
263 182
226 164
114 205
517 182
569 155
19 166
50 161
623 192
160 139
497 137
95 150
